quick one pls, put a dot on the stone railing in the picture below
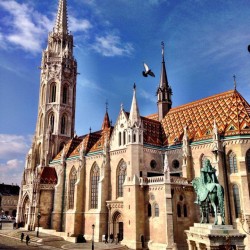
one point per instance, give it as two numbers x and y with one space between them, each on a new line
178 180
151 180
161 179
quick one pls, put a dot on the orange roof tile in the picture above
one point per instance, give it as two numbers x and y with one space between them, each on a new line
229 109
152 132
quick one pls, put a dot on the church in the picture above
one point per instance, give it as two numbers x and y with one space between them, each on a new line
131 180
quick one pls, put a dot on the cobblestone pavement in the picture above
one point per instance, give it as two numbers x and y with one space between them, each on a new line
10 239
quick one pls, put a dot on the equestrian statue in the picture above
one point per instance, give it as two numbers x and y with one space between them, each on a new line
209 192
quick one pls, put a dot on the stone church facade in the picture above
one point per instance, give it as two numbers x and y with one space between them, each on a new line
133 179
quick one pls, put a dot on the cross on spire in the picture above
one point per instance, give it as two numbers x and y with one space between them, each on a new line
235 84
162 49
107 105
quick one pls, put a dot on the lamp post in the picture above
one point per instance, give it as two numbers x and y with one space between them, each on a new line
93 228
38 223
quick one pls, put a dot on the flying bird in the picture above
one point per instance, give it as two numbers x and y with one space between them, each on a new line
147 71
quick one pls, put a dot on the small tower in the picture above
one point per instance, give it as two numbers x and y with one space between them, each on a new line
135 131
164 91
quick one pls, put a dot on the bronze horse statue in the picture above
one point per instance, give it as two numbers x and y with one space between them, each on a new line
209 191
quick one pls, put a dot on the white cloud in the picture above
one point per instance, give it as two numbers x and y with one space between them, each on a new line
111 45
26 27
13 145
79 25
13 164
11 171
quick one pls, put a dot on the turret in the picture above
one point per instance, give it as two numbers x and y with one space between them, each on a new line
164 91
135 131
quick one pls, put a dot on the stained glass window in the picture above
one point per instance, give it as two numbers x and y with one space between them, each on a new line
121 174
95 176
233 163
72 181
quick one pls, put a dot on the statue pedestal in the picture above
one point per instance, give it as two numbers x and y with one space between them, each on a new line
214 237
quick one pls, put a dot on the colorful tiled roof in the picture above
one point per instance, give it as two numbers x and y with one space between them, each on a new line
229 109
152 132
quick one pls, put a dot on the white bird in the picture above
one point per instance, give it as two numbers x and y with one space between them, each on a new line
147 71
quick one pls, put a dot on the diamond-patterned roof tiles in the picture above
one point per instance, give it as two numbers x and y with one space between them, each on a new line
229 109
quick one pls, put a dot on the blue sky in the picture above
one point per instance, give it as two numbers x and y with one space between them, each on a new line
205 45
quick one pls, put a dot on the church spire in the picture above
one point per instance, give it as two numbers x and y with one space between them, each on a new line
134 116
61 25
163 79
164 91
106 121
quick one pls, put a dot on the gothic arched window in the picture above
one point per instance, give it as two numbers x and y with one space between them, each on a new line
63 124
53 92
248 160
65 95
134 137
157 210
95 176
52 122
236 196
120 138
72 182
121 174
124 137
178 210
149 210
232 163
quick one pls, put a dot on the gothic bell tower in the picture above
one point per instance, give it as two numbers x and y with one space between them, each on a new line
56 108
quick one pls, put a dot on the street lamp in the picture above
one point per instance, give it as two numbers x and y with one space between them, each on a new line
38 223
93 228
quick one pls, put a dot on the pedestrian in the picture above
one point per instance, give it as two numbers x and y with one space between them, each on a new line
106 238
111 238
22 236
27 240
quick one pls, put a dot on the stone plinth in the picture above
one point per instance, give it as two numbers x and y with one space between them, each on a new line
216 237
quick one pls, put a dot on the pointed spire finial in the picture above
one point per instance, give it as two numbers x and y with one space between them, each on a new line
107 105
162 50
61 25
235 84
134 86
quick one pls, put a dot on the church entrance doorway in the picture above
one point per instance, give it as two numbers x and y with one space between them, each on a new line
25 211
118 226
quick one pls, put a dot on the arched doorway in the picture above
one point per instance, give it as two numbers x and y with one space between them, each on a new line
118 225
25 210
